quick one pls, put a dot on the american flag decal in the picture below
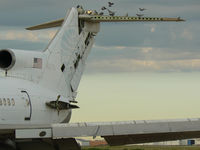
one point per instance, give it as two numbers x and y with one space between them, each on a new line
37 63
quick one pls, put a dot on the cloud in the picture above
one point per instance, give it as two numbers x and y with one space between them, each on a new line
187 34
142 59
36 36
143 53
153 29
147 46
132 65
30 12
146 49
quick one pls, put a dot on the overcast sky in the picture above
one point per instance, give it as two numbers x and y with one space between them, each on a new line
126 50
154 47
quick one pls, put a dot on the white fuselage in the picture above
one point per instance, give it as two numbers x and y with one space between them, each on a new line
31 79
23 102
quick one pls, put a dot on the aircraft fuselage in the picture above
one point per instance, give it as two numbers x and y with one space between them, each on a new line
23 102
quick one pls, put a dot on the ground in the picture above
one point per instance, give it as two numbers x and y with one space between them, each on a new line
144 148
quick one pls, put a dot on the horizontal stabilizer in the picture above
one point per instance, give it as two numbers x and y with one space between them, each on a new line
51 24
99 18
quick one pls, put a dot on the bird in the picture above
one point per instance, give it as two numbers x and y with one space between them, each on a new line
140 15
101 13
110 4
103 8
111 13
142 9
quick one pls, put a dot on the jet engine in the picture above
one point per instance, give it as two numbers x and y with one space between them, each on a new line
7 59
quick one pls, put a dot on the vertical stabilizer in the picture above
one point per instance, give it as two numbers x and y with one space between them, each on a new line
67 53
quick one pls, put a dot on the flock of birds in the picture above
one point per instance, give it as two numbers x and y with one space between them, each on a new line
112 13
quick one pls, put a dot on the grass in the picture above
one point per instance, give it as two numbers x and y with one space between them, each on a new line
144 148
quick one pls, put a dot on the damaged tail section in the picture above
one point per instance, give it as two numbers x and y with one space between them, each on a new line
67 53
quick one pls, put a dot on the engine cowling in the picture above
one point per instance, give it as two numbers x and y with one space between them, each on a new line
7 59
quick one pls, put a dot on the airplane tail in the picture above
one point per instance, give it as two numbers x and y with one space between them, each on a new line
66 55
67 52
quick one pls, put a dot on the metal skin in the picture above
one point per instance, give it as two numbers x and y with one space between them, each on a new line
16 112
25 89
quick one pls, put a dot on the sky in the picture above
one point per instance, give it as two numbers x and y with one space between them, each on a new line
135 71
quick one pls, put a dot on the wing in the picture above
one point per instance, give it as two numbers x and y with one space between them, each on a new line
118 133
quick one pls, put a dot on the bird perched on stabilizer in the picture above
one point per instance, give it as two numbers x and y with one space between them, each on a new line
101 13
103 8
142 9
140 15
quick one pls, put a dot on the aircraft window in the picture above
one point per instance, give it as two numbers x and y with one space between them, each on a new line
13 102
0 101
4 102
8 101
